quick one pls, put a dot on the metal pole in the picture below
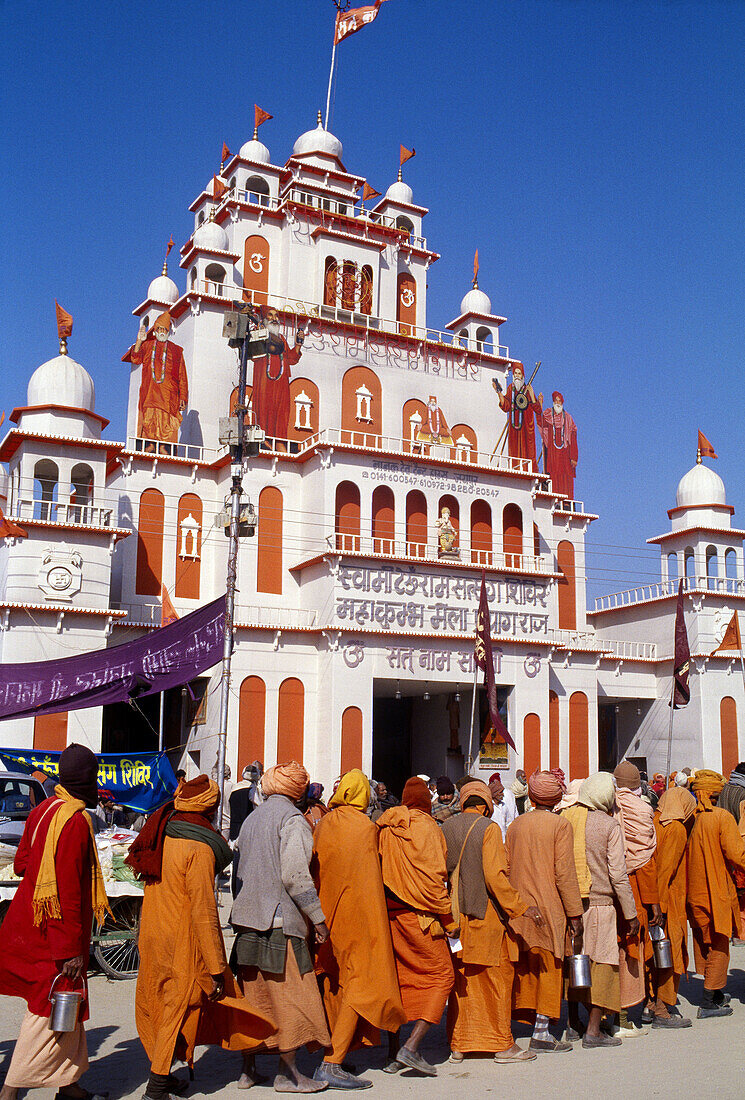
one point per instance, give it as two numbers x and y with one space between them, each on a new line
160 724
473 712
670 730
235 512
331 77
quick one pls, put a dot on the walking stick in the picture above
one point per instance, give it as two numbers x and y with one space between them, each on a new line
502 438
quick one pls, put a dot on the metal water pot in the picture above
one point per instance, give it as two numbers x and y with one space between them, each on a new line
65 1007
580 976
663 951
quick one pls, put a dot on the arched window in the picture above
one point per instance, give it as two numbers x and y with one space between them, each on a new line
413 416
730 563
712 568
256 270
81 494
347 516
383 520
258 190
416 524
188 547
290 720
193 277
269 551
200 219
450 502
579 745
466 444
351 739
672 567
251 721
512 536
366 294
531 744
728 730
356 430
567 587
483 338
50 732
536 543
149 576
231 183
348 285
304 409
481 534
461 340
406 303
214 275
553 730
402 222
46 482
329 281
690 564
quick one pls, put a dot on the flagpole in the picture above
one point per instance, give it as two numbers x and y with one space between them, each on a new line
473 713
160 725
670 730
331 77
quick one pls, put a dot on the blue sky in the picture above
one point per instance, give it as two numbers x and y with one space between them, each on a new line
592 151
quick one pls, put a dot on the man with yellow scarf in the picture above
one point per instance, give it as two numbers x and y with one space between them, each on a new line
712 898
46 935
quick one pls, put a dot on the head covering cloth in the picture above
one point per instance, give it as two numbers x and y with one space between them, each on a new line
637 826
571 794
315 791
353 790
545 789
478 789
681 779
416 795
289 779
163 321
676 804
198 796
445 785
598 792
704 784
627 775
78 773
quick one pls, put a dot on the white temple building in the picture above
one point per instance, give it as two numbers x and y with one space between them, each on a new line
354 631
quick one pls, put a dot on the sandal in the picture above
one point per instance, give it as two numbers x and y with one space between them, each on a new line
523 1056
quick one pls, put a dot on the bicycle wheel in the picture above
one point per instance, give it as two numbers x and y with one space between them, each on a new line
115 940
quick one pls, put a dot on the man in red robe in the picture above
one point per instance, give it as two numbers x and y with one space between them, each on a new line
270 398
164 389
521 407
559 435
46 935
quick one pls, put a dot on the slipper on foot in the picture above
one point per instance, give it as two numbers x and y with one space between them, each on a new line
523 1056
414 1060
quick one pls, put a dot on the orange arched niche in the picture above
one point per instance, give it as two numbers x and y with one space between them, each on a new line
256 270
251 721
728 730
290 720
579 744
149 576
188 564
351 739
370 422
269 550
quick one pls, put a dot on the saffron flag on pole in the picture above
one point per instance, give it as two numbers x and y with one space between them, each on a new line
732 638
681 693
352 21
219 187
484 659
705 448
368 192
225 153
167 610
169 246
9 529
260 117
64 321
405 154
476 268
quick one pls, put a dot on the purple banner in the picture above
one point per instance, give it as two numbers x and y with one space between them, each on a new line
167 657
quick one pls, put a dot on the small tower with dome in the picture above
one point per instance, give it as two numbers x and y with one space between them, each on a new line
477 327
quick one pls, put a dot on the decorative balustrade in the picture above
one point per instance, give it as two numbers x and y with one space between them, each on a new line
643 593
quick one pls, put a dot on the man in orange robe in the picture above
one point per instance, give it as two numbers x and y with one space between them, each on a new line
540 854
360 984
186 995
522 410
270 395
732 798
640 846
673 823
712 898
164 388
479 1009
412 853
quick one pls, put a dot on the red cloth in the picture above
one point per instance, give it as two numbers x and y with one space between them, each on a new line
521 434
29 954
270 398
172 394
559 435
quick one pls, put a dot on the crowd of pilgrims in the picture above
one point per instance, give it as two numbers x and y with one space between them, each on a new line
358 916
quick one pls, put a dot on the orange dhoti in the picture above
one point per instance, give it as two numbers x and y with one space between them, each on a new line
479 1010
538 985
423 965
710 952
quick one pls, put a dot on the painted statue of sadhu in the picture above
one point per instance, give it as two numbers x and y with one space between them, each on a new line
270 397
164 389
559 434
522 408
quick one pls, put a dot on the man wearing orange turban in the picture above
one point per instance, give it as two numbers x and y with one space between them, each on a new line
164 388
712 898
540 854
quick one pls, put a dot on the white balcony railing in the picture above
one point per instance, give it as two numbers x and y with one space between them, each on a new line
429 551
53 511
628 651
730 586
190 452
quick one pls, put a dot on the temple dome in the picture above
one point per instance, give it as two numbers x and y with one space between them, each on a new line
700 486
255 150
400 192
61 381
476 302
163 289
318 141
212 236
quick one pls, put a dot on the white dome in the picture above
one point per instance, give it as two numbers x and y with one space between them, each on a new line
400 192
211 235
476 302
64 382
255 150
317 141
163 289
700 486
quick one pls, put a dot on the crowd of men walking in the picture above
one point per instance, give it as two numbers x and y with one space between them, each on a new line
455 900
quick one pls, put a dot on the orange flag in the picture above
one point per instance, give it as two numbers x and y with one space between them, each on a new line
406 154
167 611
64 321
476 267
225 152
2 418
369 192
352 21
9 529
260 116
731 639
706 449
169 246
219 187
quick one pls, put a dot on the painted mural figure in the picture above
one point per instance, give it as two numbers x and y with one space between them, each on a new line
521 406
559 434
270 398
434 428
447 535
164 389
